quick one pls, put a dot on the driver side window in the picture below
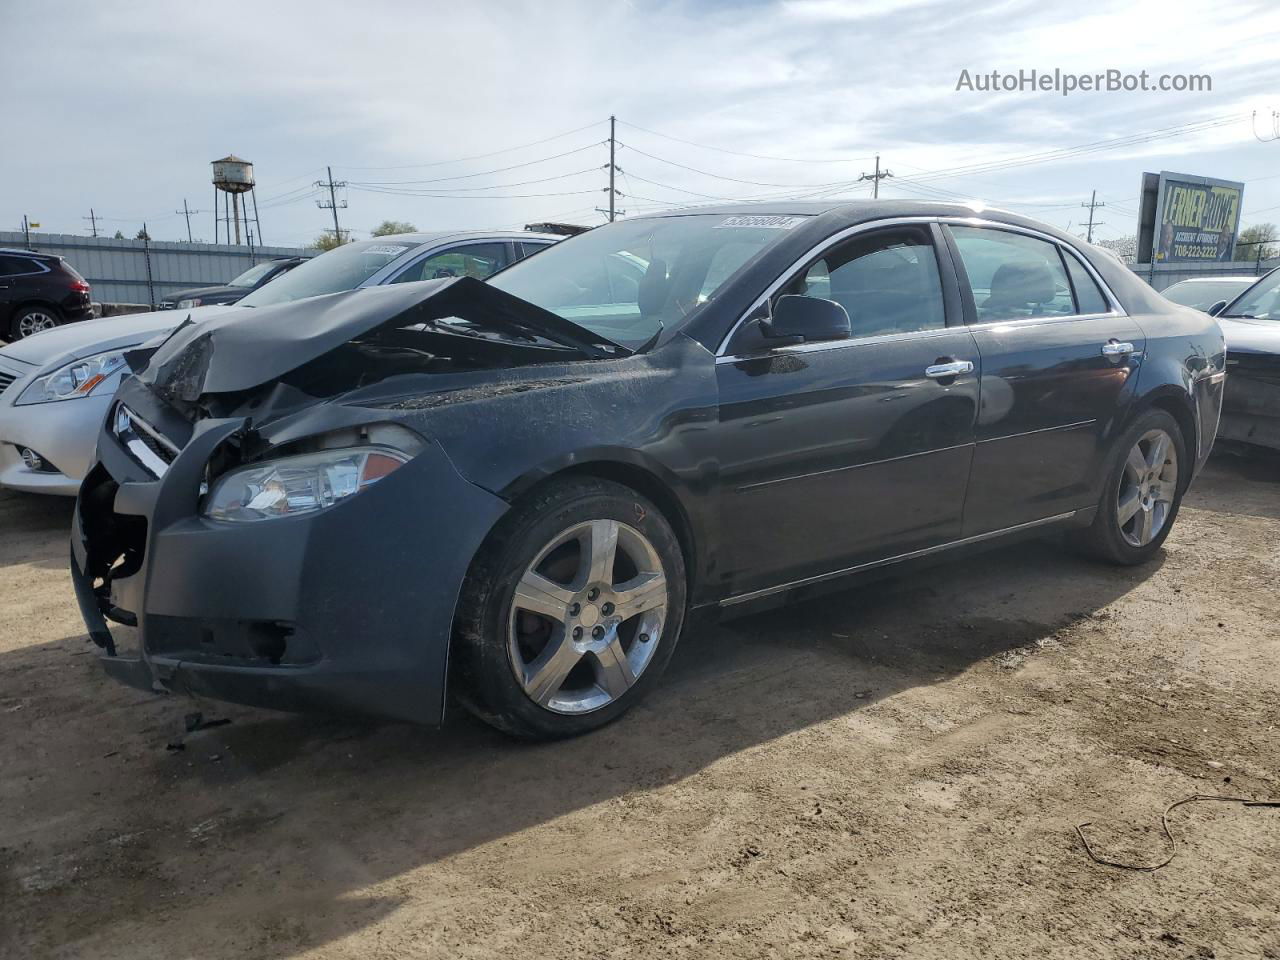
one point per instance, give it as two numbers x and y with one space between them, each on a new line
887 281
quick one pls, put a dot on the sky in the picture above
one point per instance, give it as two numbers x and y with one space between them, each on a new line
495 114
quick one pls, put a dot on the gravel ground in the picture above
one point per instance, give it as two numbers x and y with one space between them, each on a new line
894 771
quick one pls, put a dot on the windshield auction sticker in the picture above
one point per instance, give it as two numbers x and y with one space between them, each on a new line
761 221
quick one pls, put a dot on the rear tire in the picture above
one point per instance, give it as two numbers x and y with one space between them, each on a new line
1147 476
570 612
30 320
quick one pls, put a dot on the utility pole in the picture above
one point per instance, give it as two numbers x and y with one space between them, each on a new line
875 178
333 202
187 213
93 221
26 230
1093 204
612 189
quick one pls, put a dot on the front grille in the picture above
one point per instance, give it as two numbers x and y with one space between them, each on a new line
143 441
6 380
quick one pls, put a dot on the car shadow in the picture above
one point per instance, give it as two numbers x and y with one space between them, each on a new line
328 808
1238 481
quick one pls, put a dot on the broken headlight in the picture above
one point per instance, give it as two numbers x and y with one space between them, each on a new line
292 486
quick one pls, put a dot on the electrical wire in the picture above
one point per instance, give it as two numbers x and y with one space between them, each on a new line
483 173
480 156
738 153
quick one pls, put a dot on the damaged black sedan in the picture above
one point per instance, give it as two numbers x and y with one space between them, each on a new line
518 491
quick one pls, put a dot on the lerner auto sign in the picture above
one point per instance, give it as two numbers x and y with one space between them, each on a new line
1196 218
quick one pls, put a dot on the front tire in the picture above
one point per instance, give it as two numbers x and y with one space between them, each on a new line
570 612
29 321
1149 473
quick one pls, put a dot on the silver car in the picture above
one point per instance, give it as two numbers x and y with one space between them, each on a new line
55 387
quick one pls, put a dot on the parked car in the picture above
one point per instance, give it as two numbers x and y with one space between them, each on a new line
47 441
1203 292
38 292
521 489
233 290
1251 324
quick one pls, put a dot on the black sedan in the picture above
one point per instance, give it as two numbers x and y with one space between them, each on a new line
519 491
234 289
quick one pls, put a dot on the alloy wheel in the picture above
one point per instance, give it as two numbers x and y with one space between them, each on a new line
587 616
1148 486
35 322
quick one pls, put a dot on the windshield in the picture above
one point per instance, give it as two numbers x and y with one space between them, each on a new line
343 268
253 275
1260 302
1202 295
627 280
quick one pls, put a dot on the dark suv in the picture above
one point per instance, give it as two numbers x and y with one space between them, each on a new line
39 292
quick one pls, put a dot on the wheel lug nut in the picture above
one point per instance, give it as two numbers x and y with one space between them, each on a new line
575 609
577 633
597 632
644 638
607 609
593 593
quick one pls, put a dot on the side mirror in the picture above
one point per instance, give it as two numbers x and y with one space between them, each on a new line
800 319
1217 308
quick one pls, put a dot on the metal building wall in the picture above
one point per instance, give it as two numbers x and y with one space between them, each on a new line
117 269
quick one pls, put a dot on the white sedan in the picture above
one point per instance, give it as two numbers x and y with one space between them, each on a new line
56 387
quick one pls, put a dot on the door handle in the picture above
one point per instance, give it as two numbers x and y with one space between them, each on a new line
1114 348
953 368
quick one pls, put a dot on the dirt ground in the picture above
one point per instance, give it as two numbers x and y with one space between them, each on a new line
890 772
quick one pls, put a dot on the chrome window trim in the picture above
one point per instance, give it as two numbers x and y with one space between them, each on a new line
446 247
885 561
943 219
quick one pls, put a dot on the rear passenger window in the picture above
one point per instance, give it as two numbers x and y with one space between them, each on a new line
1013 276
886 281
1089 298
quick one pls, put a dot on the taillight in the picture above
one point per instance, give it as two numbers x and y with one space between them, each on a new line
80 286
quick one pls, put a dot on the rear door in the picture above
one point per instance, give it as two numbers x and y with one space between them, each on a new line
841 453
1058 363
9 270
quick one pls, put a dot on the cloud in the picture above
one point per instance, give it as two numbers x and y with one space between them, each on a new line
121 107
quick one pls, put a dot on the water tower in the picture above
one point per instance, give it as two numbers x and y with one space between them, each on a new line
233 178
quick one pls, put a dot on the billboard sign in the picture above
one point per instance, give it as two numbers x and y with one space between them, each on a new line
1195 219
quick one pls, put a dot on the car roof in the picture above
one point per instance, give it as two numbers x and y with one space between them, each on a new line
1216 280
443 235
19 252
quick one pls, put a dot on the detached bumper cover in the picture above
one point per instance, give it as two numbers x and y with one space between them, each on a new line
348 609
1251 406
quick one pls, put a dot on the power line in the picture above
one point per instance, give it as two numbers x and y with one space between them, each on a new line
719 176
433 191
478 156
482 173
737 153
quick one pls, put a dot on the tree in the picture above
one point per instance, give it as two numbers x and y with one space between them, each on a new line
143 235
388 227
1254 243
118 236
327 241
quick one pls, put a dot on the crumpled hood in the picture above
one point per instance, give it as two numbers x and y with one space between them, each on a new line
1251 336
76 340
246 348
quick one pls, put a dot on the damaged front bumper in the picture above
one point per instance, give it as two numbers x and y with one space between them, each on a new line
347 609
1251 403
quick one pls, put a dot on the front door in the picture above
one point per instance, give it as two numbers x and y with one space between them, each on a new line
839 453
1057 368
